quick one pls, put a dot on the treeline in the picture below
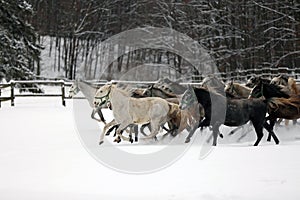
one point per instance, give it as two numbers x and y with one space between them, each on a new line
239 34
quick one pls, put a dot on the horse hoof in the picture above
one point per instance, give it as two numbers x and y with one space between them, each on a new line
117 140
187 140
221 135
136 139
101 142
131 141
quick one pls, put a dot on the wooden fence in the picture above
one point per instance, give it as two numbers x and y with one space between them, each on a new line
266 72
12 86
237 75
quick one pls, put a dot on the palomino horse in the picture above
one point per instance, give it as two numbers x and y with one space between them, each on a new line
237 90
128 110
233 112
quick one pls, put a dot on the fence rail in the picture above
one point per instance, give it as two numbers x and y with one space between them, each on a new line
12 86
237 75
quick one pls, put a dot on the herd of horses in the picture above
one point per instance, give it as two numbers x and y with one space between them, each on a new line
172 107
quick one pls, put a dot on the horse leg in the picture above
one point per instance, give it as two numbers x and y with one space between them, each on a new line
278 121
136 132
143 127
121 128
99 112
113 122
259 133
111 129
286 122
191 133
294 122
271 132
215 134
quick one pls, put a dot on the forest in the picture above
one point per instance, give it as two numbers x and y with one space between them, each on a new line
238 34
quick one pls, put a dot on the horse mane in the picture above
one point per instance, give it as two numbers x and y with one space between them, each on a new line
293 86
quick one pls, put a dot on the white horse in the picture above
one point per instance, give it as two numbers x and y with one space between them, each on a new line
128 110
89 92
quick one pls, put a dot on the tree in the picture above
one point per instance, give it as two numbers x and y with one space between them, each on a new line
19 51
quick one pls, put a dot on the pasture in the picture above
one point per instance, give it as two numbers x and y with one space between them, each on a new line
41 157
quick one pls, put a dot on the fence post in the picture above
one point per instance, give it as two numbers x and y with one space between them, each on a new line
0 97
63 93
12 93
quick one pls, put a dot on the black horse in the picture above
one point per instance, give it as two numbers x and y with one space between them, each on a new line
230 112
270 92
267 90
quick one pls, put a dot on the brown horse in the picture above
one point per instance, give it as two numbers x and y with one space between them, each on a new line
286 108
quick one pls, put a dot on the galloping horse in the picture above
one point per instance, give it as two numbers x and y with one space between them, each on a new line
280 104
128 110
88 91
237 90
238 112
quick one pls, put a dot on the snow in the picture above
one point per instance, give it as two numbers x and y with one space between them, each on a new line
41 157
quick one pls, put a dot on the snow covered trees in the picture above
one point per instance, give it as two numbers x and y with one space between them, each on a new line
19 51
239 34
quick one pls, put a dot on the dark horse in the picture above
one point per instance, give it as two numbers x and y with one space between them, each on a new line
267 90
230 112
280 104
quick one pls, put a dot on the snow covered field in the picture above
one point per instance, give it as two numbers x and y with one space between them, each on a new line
41 157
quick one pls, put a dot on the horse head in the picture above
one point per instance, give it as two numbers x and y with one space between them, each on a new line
188 98
102 95
252 81
74 89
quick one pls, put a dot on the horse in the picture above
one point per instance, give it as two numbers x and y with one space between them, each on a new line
254 80
289 85
267 90
280 104
211 82
285 81
170 91
88 91
238 112
286 108
237 90
128 110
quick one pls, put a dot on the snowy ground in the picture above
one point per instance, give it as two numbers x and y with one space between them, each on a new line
41 157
